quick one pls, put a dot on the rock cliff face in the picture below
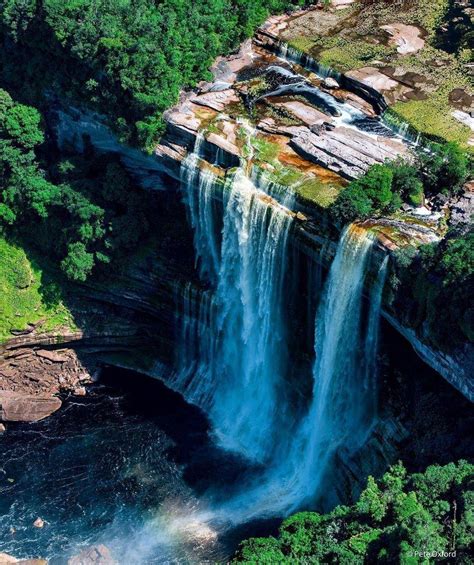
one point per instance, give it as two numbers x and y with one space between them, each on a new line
127 321
297 124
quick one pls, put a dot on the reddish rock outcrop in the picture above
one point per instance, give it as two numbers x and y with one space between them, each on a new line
5 559
18 407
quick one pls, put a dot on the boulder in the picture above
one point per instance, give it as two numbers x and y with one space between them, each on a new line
80 391
462 210
38 523
94 555
18 407
341 4
54 356
372 77
330 82
407 38
223 143
5 558
216 100
305 112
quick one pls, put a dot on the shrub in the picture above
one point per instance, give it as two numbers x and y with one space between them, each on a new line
445 168
78 263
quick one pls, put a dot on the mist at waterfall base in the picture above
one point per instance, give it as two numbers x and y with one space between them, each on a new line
124 466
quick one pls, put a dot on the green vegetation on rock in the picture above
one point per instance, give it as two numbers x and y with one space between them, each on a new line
264 150
355 39
319 192
383 189
394 518
27 295
432 114
348 54
438 282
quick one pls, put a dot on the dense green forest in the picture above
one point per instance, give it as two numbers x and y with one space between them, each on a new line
129 62
394 518
78 210
127 59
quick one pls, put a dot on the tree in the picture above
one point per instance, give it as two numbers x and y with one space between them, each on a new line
377 185
407 183
130 59
78 263
371 501
353 203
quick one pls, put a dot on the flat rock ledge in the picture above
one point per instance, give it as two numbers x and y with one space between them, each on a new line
344 150
34 372
18 407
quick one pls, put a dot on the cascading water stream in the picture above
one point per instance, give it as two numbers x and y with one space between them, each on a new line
288 53
238 376
341 412
234 350
251 357
372 340
198 183
345 114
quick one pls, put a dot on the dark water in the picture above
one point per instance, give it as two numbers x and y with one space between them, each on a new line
125 466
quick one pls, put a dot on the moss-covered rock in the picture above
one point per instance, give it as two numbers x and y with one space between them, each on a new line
27 295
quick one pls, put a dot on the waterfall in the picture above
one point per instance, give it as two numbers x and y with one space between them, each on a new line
251 357
337 393
198 184
288 53
233 358
337 418
237 332
372 340
340 416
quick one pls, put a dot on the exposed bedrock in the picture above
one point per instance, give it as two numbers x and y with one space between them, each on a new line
126 321
343 150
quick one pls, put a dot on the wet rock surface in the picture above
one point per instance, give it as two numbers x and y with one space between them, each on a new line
95 555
